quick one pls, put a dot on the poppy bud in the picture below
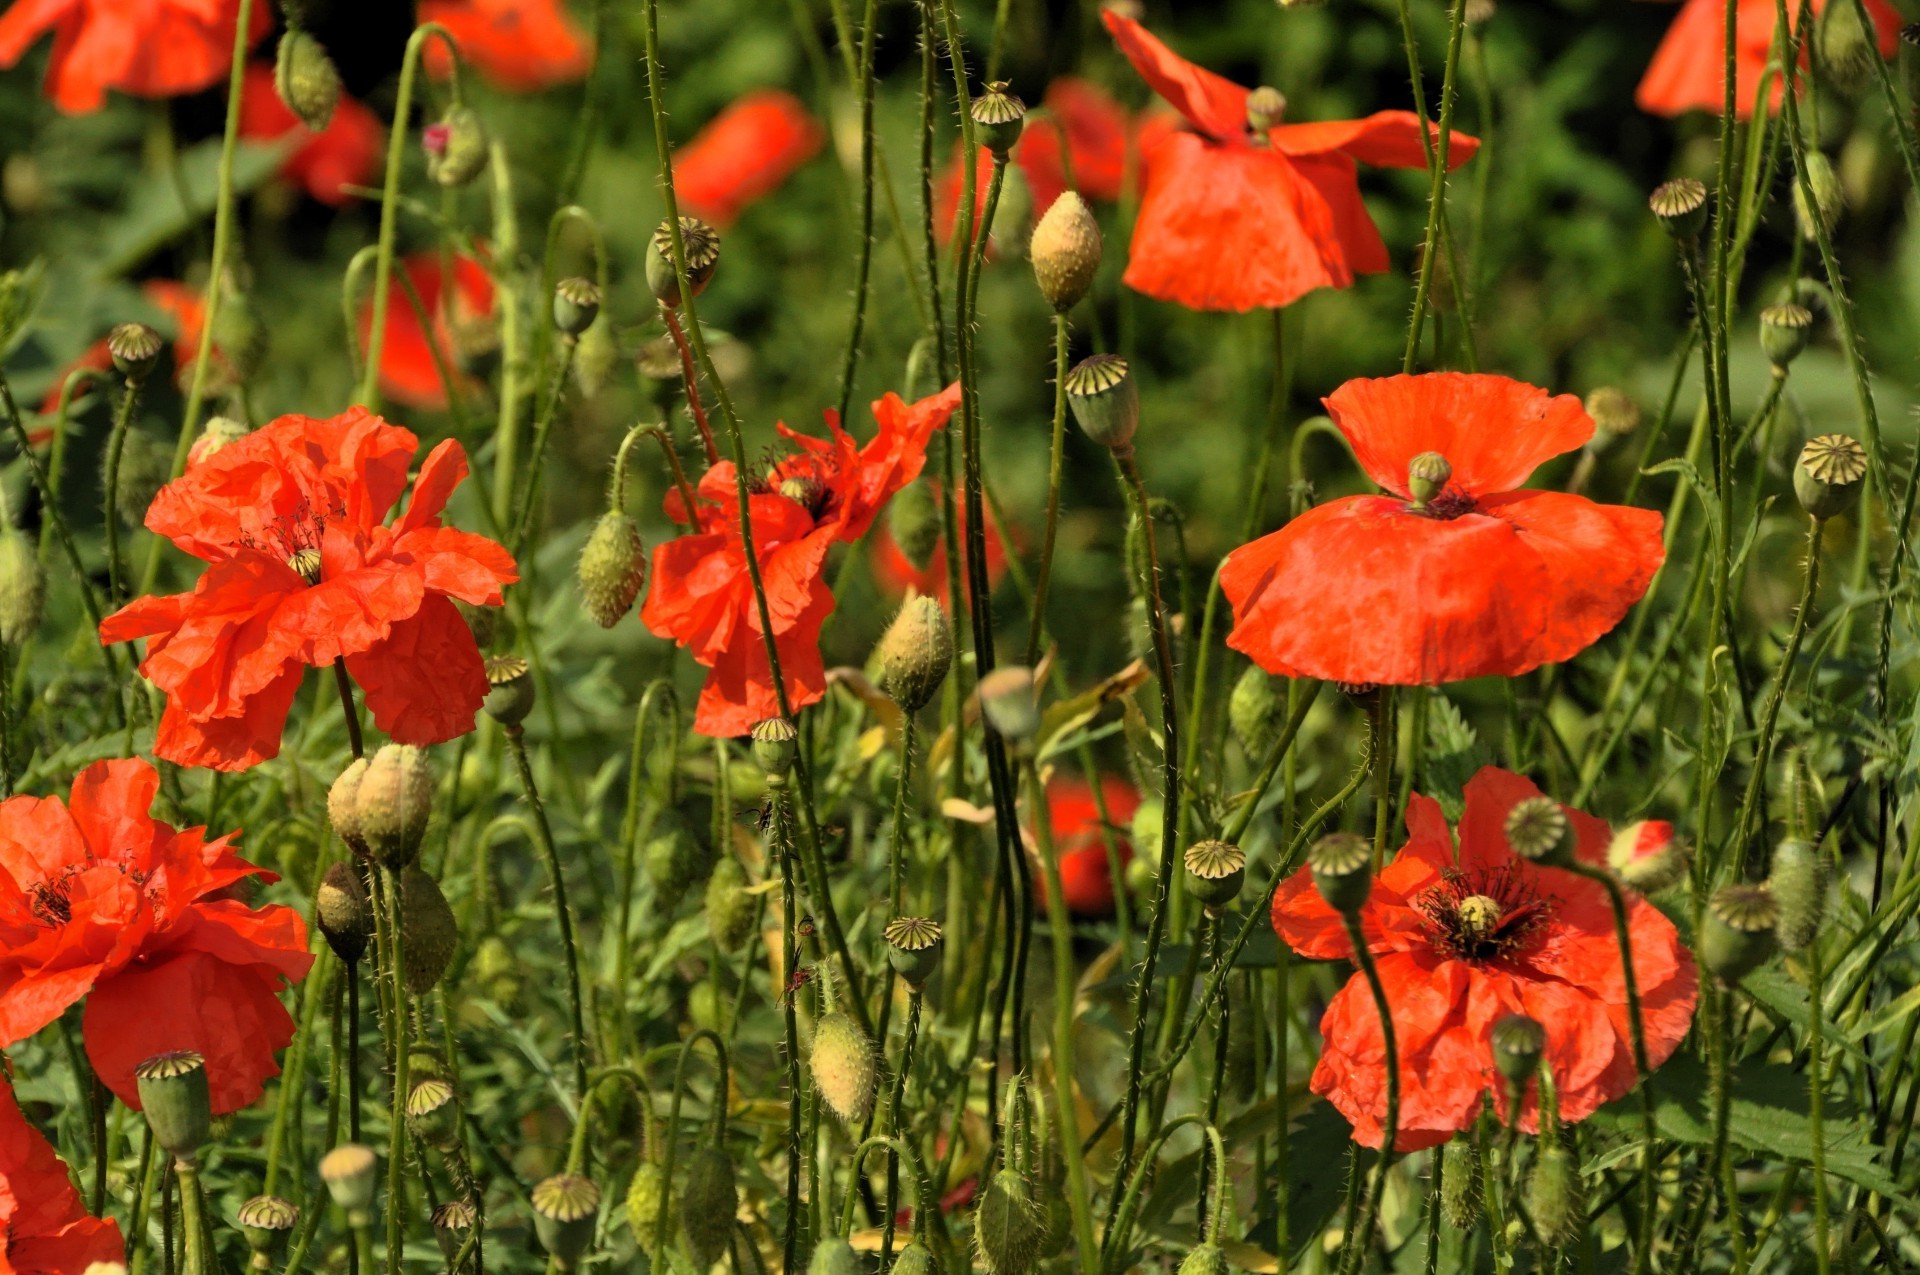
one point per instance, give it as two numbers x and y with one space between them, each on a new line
348 1171
218 432
612 569
913 948
23 589
394 800
1266 107
730 908
595 360
1460 1185
647 1199
1554 1195
1829 200
266 1221
343 913
306 79
428 931
1065 250
1647 856
1847 48
135 348
1738 936
708 1200
146 464
843 1067
240 334
833 1256
1538 832
451 1222
510 690
915 654
1798 879
706 1005
673 865
1254 709
1007 1225
343 807
1785 330
456 147
915 1259
1011 702
432 1112
998 116
1105 401
1828 477
1215 872
497 970
1427 476
1615 414
1342 868
913 517
564 1208
1518 1042
1681 206
576 304
702 244
776 742
178 1106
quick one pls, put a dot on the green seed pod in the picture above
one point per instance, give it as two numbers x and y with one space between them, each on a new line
833 1256
266 1221
1829 198
1215 872
1342 868
730 909
1538 831
1829 475
576 304
1427 476
1738 936
456 147
433 1113
915 1259
1460 1201
1518 1043
349 1173
913 517
1105 401
343 807
1007 1225
913 948
510 689
843 1067
428 931
1799 883
1681 206
1255 709
708 1199
174 1096
702 244
612 568
1010 701
1065 250
451 1222
145 465
564 1209
1205 1259
776 742
135 350
343 913
647 1200
998 117
23 589
306 79
1554 1195
673 865
394 800
915 653
1785 330
1266 108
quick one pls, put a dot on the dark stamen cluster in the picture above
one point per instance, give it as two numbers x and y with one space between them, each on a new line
1448 505
1483 915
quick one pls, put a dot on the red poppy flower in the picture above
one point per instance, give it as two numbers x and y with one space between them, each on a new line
348 153
303 571
185 306
1234 219
744 154
409 374
522 46
1689 70
44 1228
1462 940
1482 581
149 48
829 491
1086 875
897 576
100 900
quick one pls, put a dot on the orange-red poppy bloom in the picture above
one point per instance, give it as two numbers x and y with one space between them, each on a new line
828 491
409 371
1689 70
149 48
1463 939
744 154
1481 580
522 46
304 570
100 900
44 1227
187 309
1238 219
1080 840
348 152
896 575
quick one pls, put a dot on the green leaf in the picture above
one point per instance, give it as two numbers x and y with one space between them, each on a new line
162 206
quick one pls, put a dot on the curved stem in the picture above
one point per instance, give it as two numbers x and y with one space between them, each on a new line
516 744
1037 625
1770 712
543 427
864 267
672 1135
1361 1237
110 513
1437 149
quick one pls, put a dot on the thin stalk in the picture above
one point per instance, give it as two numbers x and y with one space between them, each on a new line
690 379
110 498
563 915
344 684
400 1031
863 268
894 1106
187 1172
543 427
1816 1106
1037 625
896 857
1437 150
789 994
1359 1238
1770 713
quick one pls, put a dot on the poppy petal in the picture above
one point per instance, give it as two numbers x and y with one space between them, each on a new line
744 154
424 682
1494 431
1215 105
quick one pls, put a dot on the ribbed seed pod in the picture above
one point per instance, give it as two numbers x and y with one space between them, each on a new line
177 1102
564 1209
1738 936
708 1200
843 1067
428 931
612 568
266 1221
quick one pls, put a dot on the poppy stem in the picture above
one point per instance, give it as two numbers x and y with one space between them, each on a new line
1437 149
186 1171
1355 1244
895 1105
400 1025
110 514
789 993
690 380
1380 746
1816 1110
1055 464
543 428
863 267
517 745
344 684
1770 712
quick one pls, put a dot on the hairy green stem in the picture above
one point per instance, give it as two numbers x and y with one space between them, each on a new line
1043 574
563 915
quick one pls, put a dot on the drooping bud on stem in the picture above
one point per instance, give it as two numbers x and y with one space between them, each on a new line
1829 198
913 518
456 147
612 568
306 79
729 907
708 1200
843 1067
1554 1195
1460 1198
1215 872
1798 878
1008 1225
428 930
23 588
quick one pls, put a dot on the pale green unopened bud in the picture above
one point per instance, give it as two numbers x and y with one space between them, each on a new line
1254 709
915 1259
612 568
843 1067
913 516
1798 879
428 931
915 654
673 864
394 800
456 147
648 1199
1848 49
1460 1200
1205 1259
730 908
708 1199
146 464
1065 251
1829 200
343 913
1007 1225
23 589
833 1256
306 79
1554 1195
343 807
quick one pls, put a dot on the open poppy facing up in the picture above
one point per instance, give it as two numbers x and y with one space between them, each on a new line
348 152
100 900
827 492
1245 212
1080 840
744 154
1689 70
45 1229
522 46
1453 574
411 355
304 570
149 48
1461 941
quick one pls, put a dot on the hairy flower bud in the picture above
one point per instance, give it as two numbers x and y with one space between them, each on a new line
456 147
833 1255
1554 1195
576 304
1460 1198
702 245
393 801
1738 936
612 568
1785 330
708 1199
915 1259
1798 879
176 1100
1342 868
145 465
428 931
1205 1259
730 907
1215 872
913 948
564 1209
306 79
998 117
1829 475
843 1067
1681 206
343 807
1007 1225
913 518
1254 709
343 913
1848 48
915 653
510 690
1065 250
23 588
1829 198
648 1200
